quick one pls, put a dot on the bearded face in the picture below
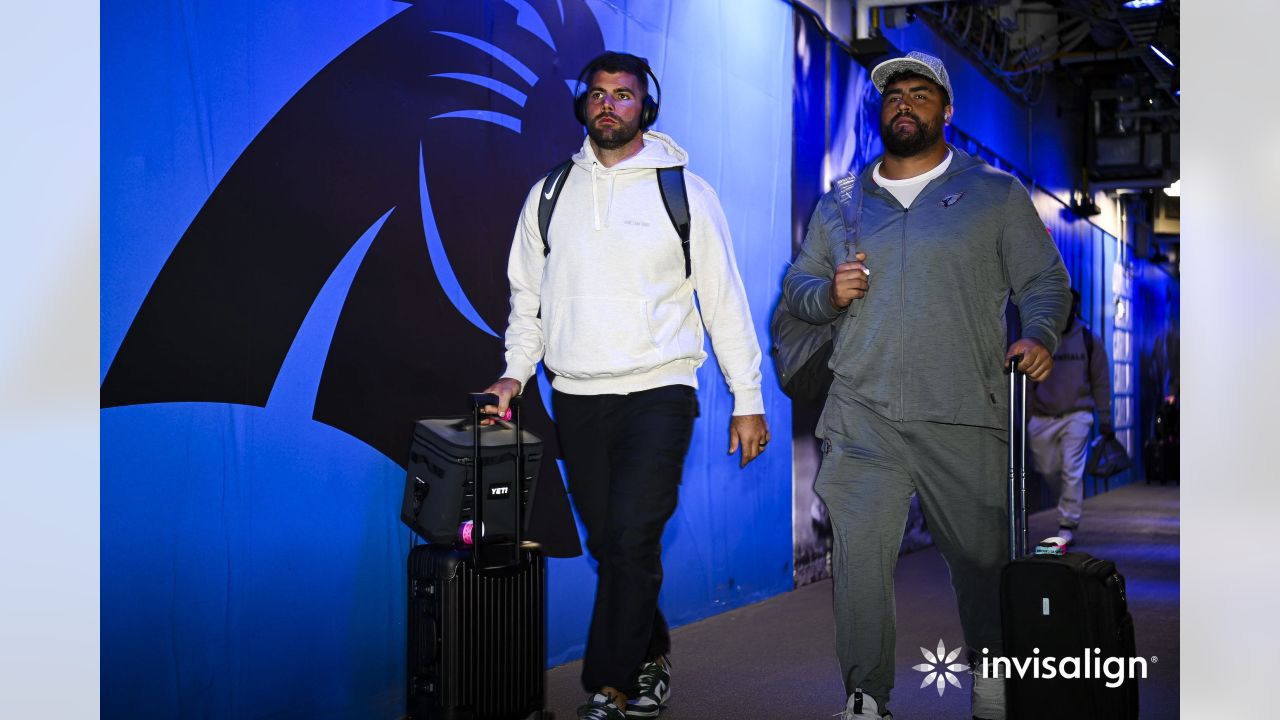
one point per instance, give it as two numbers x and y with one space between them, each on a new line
907 135
614 105
912 114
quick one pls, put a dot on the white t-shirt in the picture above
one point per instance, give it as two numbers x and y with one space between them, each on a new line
907 189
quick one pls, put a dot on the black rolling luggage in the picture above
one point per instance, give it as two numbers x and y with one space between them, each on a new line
477 638
1056 606
477 604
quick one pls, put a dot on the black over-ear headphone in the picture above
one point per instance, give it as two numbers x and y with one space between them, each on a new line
649 109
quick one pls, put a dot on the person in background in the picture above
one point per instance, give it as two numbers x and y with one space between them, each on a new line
1062 409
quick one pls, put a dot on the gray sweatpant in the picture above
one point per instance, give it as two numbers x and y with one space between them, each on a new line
870 468
1060 446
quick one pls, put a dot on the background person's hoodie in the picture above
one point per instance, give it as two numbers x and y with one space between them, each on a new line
1081 378
617 312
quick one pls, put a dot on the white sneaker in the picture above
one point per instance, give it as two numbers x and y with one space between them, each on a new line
988 697
1067 536
655 690
862 706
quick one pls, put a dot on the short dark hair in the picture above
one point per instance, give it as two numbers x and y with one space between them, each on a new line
616 62
908 74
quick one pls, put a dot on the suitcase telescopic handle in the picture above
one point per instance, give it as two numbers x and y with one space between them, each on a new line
1017 490
479 400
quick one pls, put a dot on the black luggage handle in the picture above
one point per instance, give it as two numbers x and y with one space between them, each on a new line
1017 460
479 400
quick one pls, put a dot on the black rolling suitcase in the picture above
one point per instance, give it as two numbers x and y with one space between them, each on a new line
1055 606
477 639
477 605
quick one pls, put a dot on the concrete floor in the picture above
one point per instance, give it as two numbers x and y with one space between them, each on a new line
776 660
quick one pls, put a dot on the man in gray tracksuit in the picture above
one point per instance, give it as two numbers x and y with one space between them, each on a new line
919 403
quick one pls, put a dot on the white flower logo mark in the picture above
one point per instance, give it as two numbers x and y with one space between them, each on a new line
940 667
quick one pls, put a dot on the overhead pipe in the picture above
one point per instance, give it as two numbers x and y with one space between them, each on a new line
1026 84
1099 56
1074 59
862 13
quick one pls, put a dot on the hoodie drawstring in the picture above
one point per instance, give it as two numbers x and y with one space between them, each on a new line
608 201
600 220
595 201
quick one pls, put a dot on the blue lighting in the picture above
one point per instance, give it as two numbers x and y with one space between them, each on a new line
1163 57
1139 4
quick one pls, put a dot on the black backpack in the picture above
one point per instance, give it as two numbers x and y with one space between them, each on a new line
670 183
802 350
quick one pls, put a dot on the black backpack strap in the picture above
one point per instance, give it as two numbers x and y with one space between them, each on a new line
551 188
676 199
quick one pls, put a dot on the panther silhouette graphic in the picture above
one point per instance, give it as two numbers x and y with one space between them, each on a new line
435 124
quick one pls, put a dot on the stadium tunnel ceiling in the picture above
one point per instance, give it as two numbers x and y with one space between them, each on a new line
1116 60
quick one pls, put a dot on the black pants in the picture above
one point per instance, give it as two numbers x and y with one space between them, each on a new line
624 455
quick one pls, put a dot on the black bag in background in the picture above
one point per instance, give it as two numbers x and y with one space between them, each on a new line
1107 457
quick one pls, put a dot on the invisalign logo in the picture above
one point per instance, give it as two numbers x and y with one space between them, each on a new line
940 668
1093 666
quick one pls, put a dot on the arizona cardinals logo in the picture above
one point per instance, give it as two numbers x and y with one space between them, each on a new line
431 128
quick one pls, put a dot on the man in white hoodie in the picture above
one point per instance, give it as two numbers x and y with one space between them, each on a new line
608 305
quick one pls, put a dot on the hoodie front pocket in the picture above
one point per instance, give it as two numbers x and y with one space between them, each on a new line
600 337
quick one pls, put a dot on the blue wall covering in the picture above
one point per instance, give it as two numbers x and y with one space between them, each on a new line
305 215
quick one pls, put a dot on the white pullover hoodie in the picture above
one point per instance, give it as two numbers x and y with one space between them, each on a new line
610 310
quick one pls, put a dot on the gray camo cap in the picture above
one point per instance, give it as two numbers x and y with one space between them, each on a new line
917 62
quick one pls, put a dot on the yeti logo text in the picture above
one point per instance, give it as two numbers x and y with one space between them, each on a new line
1092 666
940 666
500 490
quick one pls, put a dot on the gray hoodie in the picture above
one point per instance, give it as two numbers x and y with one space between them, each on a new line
1081 378
928 340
